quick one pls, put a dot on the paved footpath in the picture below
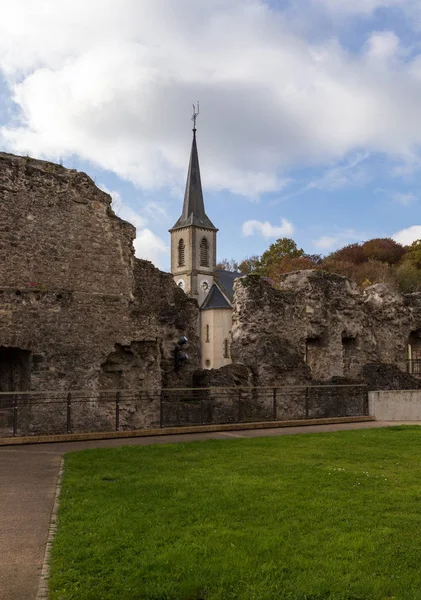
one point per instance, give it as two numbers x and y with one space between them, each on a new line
28 478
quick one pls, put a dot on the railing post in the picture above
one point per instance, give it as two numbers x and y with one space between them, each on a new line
117 411
274 413
202 416
240 412
306 403
15 416
365 401
69 413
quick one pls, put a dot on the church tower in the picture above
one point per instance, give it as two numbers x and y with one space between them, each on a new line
193 237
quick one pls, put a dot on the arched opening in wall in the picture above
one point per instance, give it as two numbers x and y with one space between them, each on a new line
15 375
226 348
314 356
204 252
181 253
349 355
15 369
207 333
413 353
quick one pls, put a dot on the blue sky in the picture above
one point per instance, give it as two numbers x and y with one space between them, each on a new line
309 122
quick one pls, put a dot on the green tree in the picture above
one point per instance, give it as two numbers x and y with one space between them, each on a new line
413 254
284 247
408 277
249 265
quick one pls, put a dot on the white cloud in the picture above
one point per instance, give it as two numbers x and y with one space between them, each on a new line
267 230
118 92
404 198
354 7
155 211
147 244
341 176
150 247
408 235
339 239
382 45
341 10
326 242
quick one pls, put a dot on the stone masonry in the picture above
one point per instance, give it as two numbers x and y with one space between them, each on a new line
317 326
77 310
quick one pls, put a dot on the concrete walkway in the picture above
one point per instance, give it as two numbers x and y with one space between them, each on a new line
28 478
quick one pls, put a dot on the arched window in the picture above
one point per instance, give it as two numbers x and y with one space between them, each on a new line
181 253
207 330
226 348
204 253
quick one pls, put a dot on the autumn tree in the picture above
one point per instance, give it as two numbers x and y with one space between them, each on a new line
288 264
227 264
340 267
352 253
383 250
364 274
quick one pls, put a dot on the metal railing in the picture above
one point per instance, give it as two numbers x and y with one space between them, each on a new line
414 367
38 413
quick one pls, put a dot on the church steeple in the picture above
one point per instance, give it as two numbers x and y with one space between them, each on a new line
193 206
193 237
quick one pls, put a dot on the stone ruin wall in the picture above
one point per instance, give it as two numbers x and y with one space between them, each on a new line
77 310
319 328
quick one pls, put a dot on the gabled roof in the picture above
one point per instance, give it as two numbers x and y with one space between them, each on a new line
226 281
193 206
215 299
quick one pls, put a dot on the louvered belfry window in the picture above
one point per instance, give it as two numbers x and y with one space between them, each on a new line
181 253
204 253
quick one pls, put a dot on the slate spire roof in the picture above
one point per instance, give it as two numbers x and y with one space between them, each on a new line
193 206
215 299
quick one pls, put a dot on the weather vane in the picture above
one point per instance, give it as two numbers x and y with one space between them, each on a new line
195 113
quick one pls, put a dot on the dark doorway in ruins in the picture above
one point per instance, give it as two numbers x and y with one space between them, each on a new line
349 355
15 369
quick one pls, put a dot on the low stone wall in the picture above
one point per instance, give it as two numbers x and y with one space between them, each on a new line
395 405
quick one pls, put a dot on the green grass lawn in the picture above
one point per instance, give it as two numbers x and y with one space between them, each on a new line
312 517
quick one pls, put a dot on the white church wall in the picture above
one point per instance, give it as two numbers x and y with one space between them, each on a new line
215 335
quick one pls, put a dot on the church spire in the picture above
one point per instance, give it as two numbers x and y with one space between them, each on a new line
193 206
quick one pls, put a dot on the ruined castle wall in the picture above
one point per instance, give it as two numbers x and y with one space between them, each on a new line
97 318
58 230
317 326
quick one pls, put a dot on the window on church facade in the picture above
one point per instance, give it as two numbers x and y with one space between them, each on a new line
226 348
181 253
204 253
207 331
